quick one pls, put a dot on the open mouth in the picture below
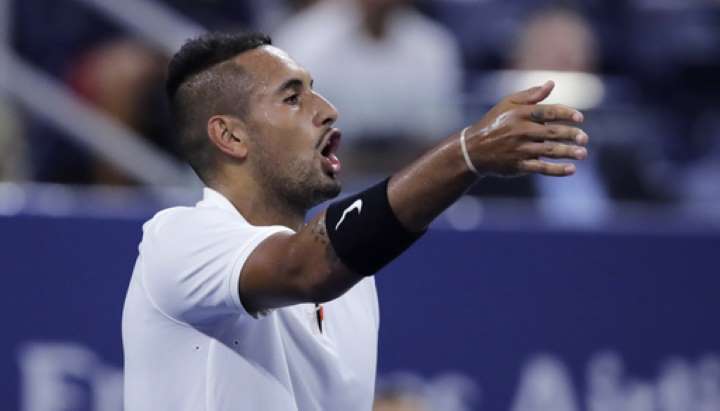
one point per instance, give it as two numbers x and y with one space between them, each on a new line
331 163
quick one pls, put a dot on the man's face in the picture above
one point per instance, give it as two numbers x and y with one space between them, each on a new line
292 139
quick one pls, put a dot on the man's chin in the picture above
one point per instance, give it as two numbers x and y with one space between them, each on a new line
332 187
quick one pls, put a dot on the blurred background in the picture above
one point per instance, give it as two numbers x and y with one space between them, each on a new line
597 292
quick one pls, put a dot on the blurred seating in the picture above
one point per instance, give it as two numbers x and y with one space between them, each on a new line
218 14
98 60
125 79
13 151
397 78
393 74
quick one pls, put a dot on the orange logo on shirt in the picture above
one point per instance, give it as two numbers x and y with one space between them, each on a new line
320 315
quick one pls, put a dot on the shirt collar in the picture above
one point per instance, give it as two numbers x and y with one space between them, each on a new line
214 199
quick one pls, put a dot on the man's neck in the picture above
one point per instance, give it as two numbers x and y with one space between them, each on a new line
261 209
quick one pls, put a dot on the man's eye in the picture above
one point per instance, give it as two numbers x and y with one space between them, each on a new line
294 99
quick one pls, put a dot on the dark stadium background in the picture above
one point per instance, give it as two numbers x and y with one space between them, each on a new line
596 293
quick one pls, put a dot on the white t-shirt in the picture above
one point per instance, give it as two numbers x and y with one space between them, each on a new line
190 346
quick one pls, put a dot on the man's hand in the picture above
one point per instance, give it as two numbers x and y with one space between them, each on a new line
512 138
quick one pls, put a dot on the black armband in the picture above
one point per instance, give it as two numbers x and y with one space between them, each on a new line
364 231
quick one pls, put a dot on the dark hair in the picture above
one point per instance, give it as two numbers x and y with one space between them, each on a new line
197 87
201 53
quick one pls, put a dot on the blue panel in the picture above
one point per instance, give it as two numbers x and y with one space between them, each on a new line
480 303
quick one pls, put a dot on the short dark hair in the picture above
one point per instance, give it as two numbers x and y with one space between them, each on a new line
197 88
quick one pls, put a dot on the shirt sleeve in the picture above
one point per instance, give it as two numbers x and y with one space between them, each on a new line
192 262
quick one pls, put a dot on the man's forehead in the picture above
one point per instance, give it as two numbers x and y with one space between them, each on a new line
269 65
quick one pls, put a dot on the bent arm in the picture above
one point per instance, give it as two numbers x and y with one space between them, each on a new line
510 140
288 269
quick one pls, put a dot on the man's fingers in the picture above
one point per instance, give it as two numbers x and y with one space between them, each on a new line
533 95
554 150
557 132
544 113
545 168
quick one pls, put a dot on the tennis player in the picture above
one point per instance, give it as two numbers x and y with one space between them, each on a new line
237 303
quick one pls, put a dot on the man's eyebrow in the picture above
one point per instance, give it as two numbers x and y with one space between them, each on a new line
293 83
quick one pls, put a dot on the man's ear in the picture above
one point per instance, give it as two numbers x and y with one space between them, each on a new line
228 135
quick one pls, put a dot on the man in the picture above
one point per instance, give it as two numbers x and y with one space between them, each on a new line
223 308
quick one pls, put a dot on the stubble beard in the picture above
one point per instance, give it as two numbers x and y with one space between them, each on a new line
297 184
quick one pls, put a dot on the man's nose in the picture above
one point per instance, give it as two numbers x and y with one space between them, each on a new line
326 113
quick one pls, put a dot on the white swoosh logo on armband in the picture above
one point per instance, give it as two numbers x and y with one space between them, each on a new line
356 205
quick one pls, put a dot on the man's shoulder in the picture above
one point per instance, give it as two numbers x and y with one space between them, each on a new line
178 221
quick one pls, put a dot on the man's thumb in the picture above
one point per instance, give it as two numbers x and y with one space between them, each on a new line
533 95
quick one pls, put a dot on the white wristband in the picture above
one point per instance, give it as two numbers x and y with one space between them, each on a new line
463 146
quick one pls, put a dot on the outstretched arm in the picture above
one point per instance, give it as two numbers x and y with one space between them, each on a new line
513 138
